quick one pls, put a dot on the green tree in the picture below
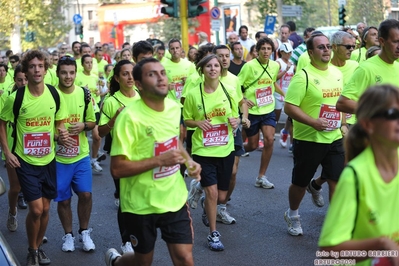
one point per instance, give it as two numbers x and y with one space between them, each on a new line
369 11
168 28
45 18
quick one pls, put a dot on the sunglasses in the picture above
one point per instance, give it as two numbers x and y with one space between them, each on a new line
98 48
347 46
324 47
66 58
390 114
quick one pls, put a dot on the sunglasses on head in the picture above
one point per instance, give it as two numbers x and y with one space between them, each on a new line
347 46
65 58
390 114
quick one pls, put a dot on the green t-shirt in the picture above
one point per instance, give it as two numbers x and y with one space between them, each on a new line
35 125
303 61
260 92
10 139
51 77
112 104
89 82
94 70
317 100
101 65
219 141
359 55
6 85
176 72
375 212
232 81
192 81
347 71
144 133
76 103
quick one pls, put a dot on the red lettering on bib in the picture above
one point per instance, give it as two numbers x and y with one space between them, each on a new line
37 144
178 87
264 96
160 148
218 135
69 152
333 117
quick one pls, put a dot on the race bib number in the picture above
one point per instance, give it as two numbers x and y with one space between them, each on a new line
264 96
286 79
160 148
178 87
69 152
333 117
37 144
218 135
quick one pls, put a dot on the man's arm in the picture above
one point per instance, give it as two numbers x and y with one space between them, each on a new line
297 114
11 160
346 105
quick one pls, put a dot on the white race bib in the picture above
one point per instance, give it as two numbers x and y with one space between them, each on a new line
160 148
333 117
218 135
37 144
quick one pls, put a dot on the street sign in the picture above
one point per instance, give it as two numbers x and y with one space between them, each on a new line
77 18
215 12
291 11
341 2
215 24
270 21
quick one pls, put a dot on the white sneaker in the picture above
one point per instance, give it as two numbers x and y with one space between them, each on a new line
85 238
223 216
110 256
96 166
12 222
263 182
195 194
317 198
117 202
294 224
69 243
127 247
101 156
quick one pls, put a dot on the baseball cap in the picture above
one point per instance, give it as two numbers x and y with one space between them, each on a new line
286 47
203 35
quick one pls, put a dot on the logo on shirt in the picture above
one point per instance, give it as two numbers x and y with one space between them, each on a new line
52 107
149 130
199 107
255 72
378 79
316 82
23 110
372 216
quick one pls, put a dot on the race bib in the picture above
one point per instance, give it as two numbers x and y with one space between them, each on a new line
160 148
218 135
264 96
37 144
333 117
286 79
69 152
178 87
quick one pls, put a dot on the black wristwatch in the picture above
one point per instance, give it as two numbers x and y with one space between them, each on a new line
86 128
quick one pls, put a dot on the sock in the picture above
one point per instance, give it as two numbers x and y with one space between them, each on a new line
81 229
314 185
69 233
292 213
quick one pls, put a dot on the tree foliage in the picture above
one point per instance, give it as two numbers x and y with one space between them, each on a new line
168 28
45 18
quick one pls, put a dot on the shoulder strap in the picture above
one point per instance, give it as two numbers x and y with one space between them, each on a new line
227 95
87 99
56 97
253 82
357 197
19 96
360 54
118 101
307 78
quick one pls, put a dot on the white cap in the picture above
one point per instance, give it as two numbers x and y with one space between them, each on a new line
286 47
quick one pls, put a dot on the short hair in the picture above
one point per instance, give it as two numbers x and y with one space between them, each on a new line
160 47
138 68
55 53
285 26
338 37
142 47
173 40
73 44
292 25
370 52
219 47
68 61
18 69
203 51
262 41
83 45
385 27
14 57
96 51
307 31
32 54
257 35
242 27
5 66
309 42
8 52
84 57
234 44
125 44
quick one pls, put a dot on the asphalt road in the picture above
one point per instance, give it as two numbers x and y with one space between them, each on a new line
258 238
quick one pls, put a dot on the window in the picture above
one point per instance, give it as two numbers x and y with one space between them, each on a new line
90 14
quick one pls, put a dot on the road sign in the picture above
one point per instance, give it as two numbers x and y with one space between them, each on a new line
215 24
341 2
77 18
215 12
270 21
291 11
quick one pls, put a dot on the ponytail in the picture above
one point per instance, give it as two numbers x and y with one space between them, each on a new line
356 140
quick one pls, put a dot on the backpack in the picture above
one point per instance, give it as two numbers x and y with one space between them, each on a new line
18 103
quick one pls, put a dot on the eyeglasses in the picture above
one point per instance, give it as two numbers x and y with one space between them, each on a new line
347 46
98 47
390 114
324 47
66 58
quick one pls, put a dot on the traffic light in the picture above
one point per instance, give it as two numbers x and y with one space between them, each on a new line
30 36
195 8
341 15
113 33
78 29
171 9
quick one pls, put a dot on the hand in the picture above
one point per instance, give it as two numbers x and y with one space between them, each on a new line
250 103
233 122
12 160
246 122
204 124
320 124
344 129
183 80
64 139
171 158
171 86
97 92
76 128
194 169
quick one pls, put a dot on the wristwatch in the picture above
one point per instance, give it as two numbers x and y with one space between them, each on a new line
86 127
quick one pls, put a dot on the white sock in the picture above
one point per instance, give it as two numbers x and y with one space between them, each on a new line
292 213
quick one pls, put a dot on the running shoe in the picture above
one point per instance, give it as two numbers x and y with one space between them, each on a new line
85 238
194 194
110 256
43 258
101 156
96 166
263 182
69 243
127 247
317 198
223 216
214 242
294 224
33 257
283 138
12 222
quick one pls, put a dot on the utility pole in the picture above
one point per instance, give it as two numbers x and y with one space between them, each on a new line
280 12
16 31
184 24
